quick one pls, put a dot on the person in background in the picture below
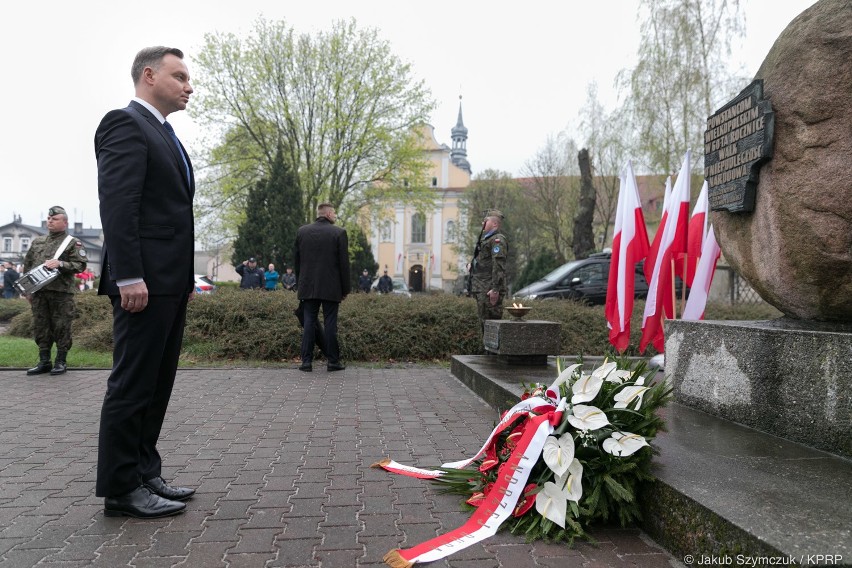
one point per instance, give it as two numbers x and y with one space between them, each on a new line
385 285
53 305
271 277
322 269
251 274
288 279
10 276
364 282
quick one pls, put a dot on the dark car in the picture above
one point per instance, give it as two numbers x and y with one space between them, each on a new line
584 280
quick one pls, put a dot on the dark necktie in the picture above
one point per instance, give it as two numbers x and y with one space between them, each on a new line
171 131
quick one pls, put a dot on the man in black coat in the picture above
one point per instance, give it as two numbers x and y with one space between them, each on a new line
322 270
146 186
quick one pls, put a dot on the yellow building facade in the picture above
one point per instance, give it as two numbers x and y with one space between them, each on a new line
421 247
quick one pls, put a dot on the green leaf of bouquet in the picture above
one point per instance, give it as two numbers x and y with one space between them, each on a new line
618 490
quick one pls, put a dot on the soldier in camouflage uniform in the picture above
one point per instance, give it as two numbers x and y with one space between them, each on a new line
53 305
488 269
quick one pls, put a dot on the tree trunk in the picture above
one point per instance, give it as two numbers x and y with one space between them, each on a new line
584 236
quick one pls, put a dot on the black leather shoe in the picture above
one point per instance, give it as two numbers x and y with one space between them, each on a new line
335 367
59 368
142 504
41 368
160 487
307 368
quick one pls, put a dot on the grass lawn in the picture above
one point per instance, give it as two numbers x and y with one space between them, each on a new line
20 352
17 352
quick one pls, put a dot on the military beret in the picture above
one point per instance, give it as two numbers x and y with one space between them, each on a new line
56 210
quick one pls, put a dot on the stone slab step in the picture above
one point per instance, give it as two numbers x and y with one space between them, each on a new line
723 488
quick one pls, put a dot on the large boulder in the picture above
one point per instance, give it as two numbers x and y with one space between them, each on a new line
795 249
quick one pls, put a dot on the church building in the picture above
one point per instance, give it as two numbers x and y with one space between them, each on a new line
422 248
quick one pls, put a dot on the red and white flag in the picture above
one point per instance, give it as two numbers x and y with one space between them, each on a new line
629 246
655 246
697 301
695 233
660 302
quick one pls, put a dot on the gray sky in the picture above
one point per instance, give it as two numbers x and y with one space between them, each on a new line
522 68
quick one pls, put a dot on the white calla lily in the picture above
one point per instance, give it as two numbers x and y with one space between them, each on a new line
623 444
572 481
586 388
630 395
587 417
552 503
558 453
619 376
565 375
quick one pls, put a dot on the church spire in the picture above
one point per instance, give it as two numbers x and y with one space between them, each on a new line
458 154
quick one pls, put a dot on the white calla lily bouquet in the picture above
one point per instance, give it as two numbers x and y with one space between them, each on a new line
590 468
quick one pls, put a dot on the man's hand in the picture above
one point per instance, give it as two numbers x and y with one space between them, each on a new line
134 297
493 296
52 264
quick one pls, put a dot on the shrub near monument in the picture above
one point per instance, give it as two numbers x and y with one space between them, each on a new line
233 325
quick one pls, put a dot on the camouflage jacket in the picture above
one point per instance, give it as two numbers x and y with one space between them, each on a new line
73 259
488 269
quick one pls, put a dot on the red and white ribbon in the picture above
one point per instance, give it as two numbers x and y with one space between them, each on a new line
501 500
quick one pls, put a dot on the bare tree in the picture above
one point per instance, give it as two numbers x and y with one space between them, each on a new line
680 76
584 236
552 185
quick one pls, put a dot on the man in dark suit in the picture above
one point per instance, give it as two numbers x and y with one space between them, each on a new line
322 270
146 186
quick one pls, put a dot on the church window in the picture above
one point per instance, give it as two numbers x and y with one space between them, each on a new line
418 228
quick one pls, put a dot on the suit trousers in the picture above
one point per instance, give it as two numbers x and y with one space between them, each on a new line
145 356
329 314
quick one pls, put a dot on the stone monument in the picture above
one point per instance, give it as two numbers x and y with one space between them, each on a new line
782 211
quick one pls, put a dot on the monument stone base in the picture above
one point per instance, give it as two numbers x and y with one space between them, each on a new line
789 378
517 342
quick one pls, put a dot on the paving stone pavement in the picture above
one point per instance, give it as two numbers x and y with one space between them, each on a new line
281 460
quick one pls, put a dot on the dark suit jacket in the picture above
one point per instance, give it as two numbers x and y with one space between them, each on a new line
322 261
145 204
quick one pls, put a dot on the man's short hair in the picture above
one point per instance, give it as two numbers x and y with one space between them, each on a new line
151 57
323 208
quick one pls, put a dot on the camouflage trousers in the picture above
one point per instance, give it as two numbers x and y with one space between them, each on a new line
53 313
485 310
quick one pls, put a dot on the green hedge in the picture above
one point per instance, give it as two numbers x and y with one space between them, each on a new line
12 307
258 325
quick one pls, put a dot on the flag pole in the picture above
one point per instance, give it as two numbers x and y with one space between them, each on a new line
674 291
683 290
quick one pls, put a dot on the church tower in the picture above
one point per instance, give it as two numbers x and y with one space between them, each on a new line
458 155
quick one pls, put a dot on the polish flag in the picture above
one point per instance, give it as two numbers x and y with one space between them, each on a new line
660 302
655 246
629 246
695 234
697 301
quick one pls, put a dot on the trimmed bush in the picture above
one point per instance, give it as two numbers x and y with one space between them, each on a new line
233 324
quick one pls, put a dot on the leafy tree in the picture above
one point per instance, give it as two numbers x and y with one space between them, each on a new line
273 215
360 255
342 103
679 76
538 267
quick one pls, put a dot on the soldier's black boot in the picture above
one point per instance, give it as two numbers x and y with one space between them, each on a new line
59 365
44 364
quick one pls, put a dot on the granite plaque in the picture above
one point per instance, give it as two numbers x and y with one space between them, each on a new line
737 142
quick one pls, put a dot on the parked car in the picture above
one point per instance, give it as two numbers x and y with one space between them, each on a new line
584 280
399 287
203 285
